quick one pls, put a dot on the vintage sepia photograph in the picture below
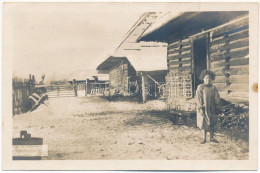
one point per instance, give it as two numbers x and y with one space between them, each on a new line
128 81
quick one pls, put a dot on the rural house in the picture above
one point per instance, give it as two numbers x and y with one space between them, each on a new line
137 69
218 41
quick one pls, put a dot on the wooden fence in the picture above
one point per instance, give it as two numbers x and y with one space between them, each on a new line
22 89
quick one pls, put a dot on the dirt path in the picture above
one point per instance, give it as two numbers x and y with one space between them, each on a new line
93 128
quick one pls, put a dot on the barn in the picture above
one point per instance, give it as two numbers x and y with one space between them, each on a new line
140 73
218 41
137 68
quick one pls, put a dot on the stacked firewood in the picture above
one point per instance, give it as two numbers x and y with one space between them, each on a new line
234 120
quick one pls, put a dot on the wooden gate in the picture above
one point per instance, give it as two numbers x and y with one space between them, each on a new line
60 91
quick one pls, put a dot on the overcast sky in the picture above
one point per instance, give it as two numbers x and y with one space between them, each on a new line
58 38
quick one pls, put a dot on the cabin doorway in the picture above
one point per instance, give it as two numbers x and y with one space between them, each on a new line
200 60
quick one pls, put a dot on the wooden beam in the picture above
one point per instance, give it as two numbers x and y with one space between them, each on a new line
143 88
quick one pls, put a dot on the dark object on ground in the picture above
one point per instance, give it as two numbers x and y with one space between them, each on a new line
37 100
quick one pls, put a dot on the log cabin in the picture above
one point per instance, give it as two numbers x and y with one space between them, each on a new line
218 41
140 73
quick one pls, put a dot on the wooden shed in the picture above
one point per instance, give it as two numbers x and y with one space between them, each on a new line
218 41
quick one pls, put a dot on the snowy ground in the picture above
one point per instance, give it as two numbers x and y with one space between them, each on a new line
87 128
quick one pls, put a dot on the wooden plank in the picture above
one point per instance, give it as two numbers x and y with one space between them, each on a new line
217 64
174 45
239 61
239 79
239 43
239 52
232 26
238 35
239 70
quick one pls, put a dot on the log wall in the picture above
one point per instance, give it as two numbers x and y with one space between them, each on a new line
119 79
229 50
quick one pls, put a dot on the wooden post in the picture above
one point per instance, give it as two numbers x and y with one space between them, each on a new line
143 88
87 87
75 87
208 41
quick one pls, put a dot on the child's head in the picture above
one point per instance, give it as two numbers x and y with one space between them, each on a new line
207 76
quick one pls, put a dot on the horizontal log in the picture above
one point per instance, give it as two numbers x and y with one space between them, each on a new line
186 59
218 56
220 86
218 71
239 43
174 51
239 52
239 79
186 65
174 45
173 56
185 52
221 40
220 79
239 87
217 48
235 87
239 61
238 35
174 61
173 69
216 64
241 23
186 55
186 48
235 97
174 65
185 68
185 42
239 70
235 94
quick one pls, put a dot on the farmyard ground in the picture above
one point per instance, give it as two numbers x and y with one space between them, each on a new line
87 128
